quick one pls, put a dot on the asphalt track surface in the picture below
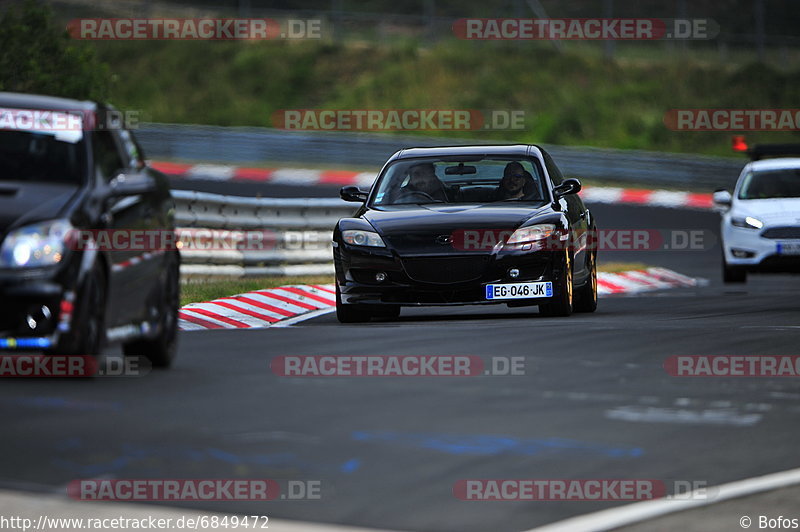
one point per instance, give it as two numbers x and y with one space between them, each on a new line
595 402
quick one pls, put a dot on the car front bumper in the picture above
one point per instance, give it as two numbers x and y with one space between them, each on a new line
746 249
435 280
37 308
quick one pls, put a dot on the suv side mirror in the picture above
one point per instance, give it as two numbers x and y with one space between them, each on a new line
569 186
722 200
352 193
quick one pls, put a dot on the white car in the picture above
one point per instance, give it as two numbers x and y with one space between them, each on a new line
761 220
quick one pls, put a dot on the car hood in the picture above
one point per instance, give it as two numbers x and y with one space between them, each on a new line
22 203
777 211
415 230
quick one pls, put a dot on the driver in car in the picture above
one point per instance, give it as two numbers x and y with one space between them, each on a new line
423 182
517 183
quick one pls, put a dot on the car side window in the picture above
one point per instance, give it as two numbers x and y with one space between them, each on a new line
555 173
132 150
107 157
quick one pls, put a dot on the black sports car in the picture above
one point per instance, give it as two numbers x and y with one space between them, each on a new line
75 192
466 225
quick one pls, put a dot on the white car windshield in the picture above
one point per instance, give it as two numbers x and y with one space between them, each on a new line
784 183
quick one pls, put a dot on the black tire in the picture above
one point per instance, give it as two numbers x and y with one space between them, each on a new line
161 350
350 313
561 304
732 274
586 295
88 334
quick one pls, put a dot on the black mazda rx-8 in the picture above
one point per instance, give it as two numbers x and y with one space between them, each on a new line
464 225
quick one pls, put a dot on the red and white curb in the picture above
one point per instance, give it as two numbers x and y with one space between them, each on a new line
279 307
259 309
300 177
637 281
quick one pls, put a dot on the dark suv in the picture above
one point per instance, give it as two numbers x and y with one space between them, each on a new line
87 248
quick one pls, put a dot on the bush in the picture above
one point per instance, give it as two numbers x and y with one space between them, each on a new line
36 56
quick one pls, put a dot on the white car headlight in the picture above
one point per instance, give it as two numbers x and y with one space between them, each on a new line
36 245
363 238
533 233
749 222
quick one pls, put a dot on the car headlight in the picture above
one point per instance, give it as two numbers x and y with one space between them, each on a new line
533 233
363 238
36 245
749 222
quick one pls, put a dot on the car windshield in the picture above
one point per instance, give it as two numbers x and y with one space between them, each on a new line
41 156
783 183
469 180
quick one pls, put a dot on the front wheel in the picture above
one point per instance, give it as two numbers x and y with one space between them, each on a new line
586 295
561 304
88 333
350 313
160 351
731 274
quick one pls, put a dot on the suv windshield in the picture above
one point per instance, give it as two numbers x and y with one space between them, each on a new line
41 156
771 184
470 180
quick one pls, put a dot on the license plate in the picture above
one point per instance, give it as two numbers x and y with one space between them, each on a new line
519 290
788 248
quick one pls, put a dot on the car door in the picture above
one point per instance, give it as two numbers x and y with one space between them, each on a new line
579 220
125 212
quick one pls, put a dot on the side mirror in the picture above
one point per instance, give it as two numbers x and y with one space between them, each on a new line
352 193
722 200
131 185
569 186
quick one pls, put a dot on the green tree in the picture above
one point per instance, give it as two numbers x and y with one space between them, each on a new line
38 56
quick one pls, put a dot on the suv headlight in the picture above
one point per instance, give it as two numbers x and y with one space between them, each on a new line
749 222
363 238
36 245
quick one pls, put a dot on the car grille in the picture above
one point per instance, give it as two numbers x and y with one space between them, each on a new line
446 270
782 232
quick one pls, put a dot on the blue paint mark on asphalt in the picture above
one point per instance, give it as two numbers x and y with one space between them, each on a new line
494 445
350 466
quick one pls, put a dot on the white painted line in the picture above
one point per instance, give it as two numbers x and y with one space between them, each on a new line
34 506
652 414
646 510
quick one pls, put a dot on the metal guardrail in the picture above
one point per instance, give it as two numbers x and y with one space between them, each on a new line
232 236
237 145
